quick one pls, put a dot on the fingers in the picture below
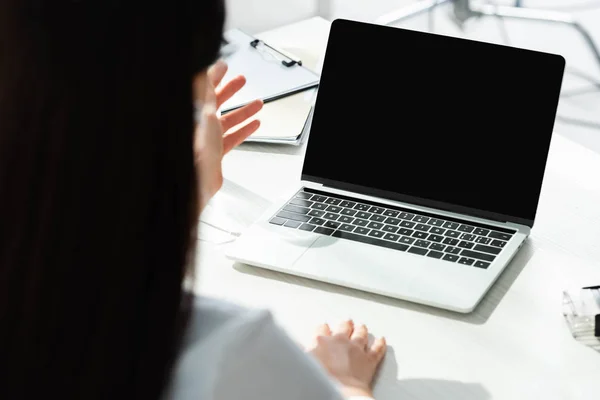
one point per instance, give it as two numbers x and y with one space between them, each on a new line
323 330
360 336
240 115
345 328
216 72
378 348
229 89
233 139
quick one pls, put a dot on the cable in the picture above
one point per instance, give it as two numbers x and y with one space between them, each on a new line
236 234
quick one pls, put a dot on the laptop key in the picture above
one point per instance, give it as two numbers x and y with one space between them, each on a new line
466 261
436 222
422 227
331 216
334 209
292 224
375 225
407 240
391 236
319 198
477 255
360 222
361 207
421 219
345 219
301 202
361 230
466 228
418 250
349 212
435 238
422 243
466 245
451 225
296 209
348 204
317 221
498 243
376 210
376 233
453 234
451 241
277 221
294 216
499 235
450 257
483 240
370 240
363 215
420 235
468 237
316 213
377 218
333 201
437 231
319 206
437 246
331 224
307 227
405 231
347 227
324 231
481 231
304 195
405 215
393 221
435 254
390 228
407 224
452 250
390 213
481 264
487 249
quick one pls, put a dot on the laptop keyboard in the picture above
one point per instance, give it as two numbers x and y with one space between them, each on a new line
394 228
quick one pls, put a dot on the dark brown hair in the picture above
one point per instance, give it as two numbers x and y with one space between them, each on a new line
97 191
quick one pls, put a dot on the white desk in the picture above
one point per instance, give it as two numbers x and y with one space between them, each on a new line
514 346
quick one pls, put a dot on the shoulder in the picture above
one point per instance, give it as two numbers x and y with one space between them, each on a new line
231 352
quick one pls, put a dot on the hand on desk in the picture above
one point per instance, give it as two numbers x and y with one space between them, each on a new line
213 137
346 355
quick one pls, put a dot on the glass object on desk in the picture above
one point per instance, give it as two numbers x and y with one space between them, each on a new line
229 212
581 309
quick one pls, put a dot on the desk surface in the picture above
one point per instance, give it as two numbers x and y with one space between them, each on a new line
515 345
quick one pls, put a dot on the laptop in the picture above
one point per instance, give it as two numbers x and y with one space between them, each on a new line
423 168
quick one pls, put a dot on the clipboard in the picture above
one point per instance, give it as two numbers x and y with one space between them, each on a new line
271 74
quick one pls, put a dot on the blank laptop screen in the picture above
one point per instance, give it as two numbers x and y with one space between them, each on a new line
434 120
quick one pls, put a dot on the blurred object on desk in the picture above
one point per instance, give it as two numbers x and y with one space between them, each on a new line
229 212
581 309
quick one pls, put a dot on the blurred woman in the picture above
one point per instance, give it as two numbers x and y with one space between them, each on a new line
110 145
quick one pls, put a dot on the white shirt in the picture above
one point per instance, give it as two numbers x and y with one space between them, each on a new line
231 353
